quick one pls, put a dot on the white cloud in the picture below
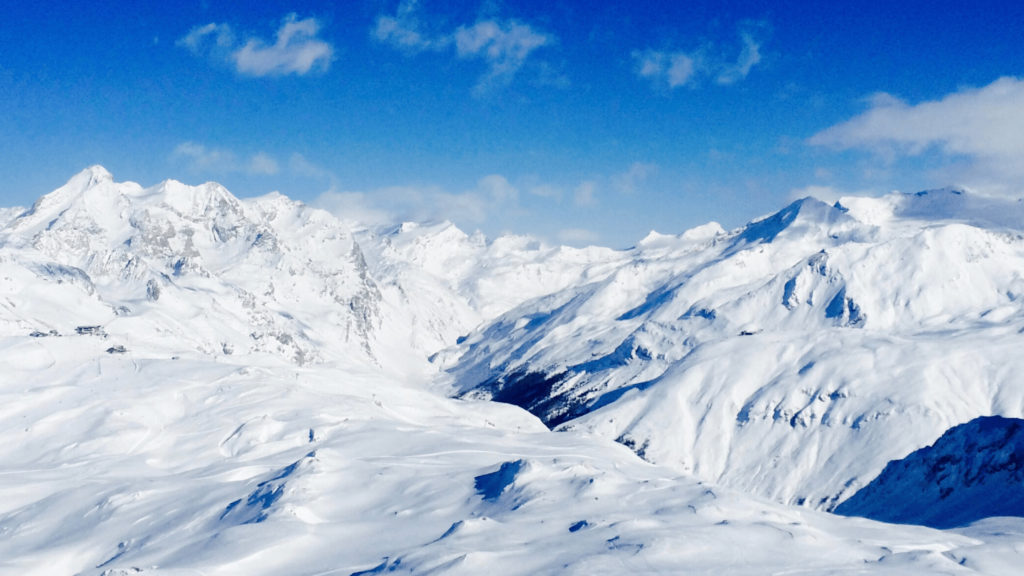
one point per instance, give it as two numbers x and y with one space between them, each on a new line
578 237
296 49
827 194
354 207
545 191
498 187
492 196
629 181
300 165
982 126
680 68
750 56
201 158
403 31
504 45
209 37
675 69
584 194
263 163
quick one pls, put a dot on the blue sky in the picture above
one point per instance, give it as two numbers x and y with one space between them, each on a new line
577 122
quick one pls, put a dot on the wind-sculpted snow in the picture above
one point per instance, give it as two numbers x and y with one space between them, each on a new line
792 358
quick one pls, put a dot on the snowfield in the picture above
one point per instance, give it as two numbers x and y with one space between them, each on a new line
194 384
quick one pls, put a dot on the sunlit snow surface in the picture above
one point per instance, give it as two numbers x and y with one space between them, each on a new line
189 466
792 358
269 409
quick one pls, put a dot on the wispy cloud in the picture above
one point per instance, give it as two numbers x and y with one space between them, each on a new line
504 45
263 163
404 31
295 50
585 194
578 236
677 68
750 56
301 166
394 204
674 69
983 127
828 194
209 38
630 181
201 158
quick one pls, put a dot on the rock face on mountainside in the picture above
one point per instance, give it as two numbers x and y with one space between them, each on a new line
191 266
203 272
973 471
792 358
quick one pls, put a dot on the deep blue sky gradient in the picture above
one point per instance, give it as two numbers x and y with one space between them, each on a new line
111 84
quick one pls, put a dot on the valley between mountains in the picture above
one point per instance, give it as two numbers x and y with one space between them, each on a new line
196 383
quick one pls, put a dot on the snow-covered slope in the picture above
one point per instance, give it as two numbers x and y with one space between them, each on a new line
792 358
198 384
189 270
139 464
442 282
975 470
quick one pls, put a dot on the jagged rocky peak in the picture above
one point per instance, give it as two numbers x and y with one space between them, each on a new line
269 274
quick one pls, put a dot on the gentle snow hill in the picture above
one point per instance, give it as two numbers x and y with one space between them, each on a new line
136 464
974 471
791 358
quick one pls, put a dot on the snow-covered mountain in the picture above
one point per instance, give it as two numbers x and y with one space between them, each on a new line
791 358
189 270
974 471
196 383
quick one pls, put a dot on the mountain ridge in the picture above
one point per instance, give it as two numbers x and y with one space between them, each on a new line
789 333
202 383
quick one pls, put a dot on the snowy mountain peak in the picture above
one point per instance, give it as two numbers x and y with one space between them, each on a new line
937 206
199 268
193 378
94 182
804 216
806 334
96 174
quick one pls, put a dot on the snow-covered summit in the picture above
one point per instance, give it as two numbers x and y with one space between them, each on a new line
939 205
792 357
192 266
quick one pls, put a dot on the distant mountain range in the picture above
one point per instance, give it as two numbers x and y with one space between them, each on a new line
191 378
